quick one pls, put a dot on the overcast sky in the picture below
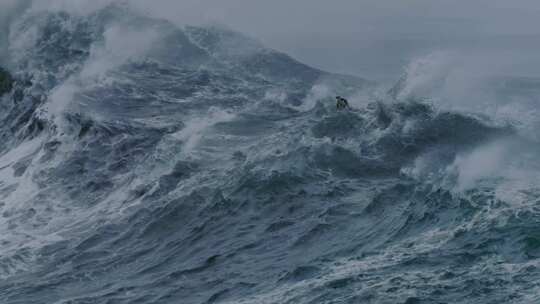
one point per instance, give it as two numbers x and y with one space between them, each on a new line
371 38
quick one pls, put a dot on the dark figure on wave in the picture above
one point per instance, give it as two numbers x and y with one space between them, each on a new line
342 103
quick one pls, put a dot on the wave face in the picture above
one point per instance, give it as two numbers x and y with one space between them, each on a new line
142 162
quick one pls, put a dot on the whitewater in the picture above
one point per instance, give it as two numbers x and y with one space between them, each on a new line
143 161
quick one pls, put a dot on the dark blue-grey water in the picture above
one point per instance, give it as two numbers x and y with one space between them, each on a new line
142 162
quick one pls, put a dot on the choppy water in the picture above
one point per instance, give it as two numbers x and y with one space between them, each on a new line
142 162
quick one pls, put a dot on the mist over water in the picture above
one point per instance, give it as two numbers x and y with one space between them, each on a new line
151 152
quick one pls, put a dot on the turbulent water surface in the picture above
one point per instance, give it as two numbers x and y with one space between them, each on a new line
143 162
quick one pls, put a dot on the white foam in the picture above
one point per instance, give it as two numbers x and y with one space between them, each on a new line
121 44
278 96
194 129
484 162
424 75
317 93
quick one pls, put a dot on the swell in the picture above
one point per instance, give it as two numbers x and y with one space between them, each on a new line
175 176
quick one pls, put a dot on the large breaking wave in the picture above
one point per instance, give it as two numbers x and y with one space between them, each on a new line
143 162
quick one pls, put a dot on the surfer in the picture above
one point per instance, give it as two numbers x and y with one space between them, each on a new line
342 103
